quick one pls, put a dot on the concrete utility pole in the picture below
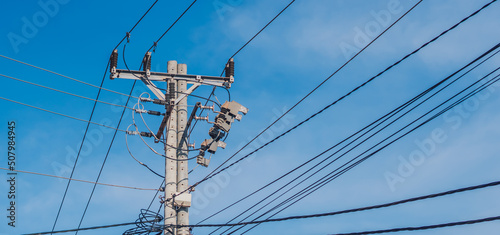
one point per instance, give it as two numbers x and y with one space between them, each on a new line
182 154
175 122
171 150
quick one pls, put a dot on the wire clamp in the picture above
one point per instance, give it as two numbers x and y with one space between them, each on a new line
133 133
128 37
142 99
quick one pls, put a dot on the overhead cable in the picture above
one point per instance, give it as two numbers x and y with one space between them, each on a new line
60 114
84 181
93 109
336 173
378 122
436 226
405 201
64 92
172 25
64 76
215 172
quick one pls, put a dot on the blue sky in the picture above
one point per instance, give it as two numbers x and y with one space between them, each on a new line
292 56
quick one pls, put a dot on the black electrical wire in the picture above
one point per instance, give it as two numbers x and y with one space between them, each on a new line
380 142
336 175
257 34
92 113
60 114
63 92
135 25
64 76
166 31
385 117
367 208
488 219
467 222
105 159
316 156
79 150
201 111
128 34
215 172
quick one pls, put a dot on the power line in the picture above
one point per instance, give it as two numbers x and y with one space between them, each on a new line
334 103
384 119
60 114
331 176
64 76
436 195
140 163
335 174
93 109
79 150
430 196
84 229
212 174
105 158
127 35
64 92
260 31
467 222
84 181
92 113
131 90
172 25
215 172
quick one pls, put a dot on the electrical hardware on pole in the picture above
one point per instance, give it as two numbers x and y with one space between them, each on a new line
174 125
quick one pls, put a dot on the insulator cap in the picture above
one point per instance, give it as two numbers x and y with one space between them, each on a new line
161 102
156 113
146 134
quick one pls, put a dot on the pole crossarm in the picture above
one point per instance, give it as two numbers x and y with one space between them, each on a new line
160 76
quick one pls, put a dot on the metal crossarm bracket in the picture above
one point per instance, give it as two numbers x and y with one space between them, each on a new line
196 80
191 79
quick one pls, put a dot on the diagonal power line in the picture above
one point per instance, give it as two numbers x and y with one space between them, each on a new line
123 112
63 115
435 226
215 172
84 181
92 114
367 208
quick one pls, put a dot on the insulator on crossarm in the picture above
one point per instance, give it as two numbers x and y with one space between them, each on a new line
113 61
146 62
161 102
208 107
201 118
146 134
230 68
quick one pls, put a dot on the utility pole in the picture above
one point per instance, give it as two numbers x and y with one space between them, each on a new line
182 154
171 151
175 124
